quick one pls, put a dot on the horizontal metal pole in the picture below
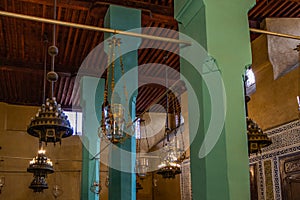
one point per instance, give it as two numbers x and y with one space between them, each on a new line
93 28
24 158
23 171
275 34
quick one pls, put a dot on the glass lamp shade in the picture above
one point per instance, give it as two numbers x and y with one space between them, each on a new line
113 122
142 167
57 191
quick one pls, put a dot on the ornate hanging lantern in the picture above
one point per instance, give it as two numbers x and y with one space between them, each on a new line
113 114
256 138
40 166
170 164
50 123
142 162
174 155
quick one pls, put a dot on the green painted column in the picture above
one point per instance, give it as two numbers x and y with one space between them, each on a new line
221 27
91 99
121 173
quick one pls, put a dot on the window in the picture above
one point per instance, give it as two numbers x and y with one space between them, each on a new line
250 82
75 119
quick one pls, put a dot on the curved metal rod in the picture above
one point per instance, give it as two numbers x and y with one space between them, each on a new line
275 34
93 28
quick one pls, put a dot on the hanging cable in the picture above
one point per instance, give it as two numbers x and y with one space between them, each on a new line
167 107
53 51
45 68
146 135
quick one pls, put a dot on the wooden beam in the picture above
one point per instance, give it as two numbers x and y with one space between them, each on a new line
78 5
144 6
29 70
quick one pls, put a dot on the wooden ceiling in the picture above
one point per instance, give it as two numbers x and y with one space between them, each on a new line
22 52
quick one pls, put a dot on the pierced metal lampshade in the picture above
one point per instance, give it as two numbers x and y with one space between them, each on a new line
50 124
256 138
40 166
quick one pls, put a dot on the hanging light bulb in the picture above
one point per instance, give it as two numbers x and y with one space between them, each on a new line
113 114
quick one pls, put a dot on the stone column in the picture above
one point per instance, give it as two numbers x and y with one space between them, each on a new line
91 99
121 173
219 159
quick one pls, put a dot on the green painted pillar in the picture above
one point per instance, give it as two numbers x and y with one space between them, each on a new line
219 170
91 99
122 156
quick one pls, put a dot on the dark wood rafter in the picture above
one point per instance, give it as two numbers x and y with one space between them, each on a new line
22 56
139 4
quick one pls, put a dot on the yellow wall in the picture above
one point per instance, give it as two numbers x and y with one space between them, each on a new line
154 186
18 148
274 102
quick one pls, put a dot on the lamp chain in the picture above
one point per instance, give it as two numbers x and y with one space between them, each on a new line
146 135
123 79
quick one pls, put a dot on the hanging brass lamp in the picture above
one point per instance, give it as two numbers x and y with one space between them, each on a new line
50 124
257 139
172 157
113 123
40 166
